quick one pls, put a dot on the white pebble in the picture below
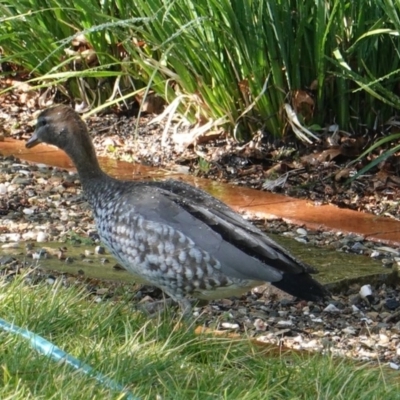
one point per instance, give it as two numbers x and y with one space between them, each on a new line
331 308
394 366
28 211
30 235
12 188
388 250
283 313
316 320
41 237
3 188
10 237
99 250
285 323
301 232
365 291
349 330
229 325
383 338
375 254
13 245
260 325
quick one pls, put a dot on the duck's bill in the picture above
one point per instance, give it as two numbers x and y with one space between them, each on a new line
33 141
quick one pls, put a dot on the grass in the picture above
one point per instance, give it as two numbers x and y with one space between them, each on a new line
154 359
232 63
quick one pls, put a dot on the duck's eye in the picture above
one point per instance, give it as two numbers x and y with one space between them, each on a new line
41 122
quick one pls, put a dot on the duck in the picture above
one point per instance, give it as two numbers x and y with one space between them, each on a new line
173 235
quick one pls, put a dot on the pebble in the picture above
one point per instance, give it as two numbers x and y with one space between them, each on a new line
340 327
392 304
375 254
42 237
4 260
285 323
99 250
260 324
14 245
365 291
301 231
349 330
394 366
331 308
230 325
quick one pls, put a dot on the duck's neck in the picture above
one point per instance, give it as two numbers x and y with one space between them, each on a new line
87 165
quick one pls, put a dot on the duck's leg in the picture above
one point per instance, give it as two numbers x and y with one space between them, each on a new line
155 307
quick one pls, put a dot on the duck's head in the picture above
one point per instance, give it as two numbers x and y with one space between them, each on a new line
60 126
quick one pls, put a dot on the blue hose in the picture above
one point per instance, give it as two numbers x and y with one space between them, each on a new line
50 350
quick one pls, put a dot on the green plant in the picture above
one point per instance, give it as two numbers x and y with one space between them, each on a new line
231 63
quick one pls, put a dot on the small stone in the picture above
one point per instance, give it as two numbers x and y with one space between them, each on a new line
102 291
260 324
391 303
366 291
349 330
388 250
383 339
50 281
301 232
226 302
387 262
393 365
358 238
285 323
375 254
316 320
13 245
99 250
28 211
229 325
283 313
40 254
331 308
42 237
355 299
4 260
355 309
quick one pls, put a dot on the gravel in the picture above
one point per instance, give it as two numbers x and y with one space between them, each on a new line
40 204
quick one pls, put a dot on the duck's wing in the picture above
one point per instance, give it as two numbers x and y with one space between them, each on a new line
244 251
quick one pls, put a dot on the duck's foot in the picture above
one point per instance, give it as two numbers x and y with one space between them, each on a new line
154 308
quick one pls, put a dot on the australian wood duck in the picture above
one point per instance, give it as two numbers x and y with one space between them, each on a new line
171 234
